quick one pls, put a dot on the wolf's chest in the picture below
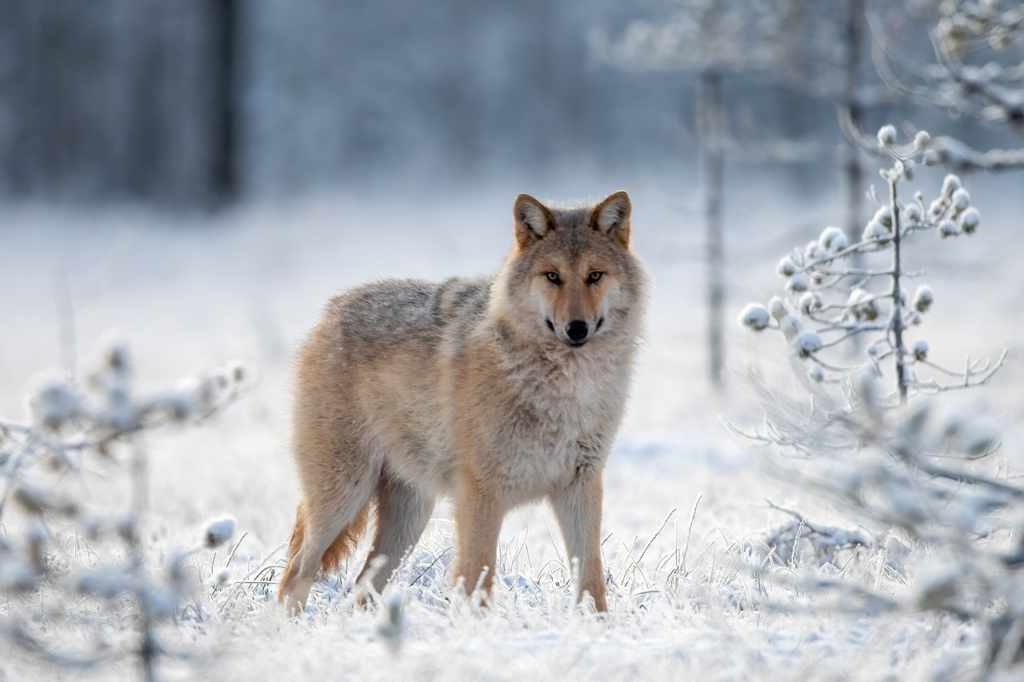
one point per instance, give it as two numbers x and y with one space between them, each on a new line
576 397
534 467
560 425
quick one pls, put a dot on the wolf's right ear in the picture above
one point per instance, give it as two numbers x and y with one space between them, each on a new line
533 220
611 217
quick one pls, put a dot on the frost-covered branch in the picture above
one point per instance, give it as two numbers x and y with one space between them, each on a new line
826 541
959 157
992 92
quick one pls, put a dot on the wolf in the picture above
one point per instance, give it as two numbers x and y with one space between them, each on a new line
498 391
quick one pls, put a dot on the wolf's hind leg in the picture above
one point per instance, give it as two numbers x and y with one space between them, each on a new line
402 516
327 527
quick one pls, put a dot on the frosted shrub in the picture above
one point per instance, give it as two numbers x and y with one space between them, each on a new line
83 434
873 441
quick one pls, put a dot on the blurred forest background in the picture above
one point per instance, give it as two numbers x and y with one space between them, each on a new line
202 103
201 175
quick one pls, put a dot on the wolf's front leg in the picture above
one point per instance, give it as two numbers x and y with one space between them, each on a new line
478 516
578 509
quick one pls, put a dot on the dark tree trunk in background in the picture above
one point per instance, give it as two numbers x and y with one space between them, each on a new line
710 130
140 171
224 109
119 99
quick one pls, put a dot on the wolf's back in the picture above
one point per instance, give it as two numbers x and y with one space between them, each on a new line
376 319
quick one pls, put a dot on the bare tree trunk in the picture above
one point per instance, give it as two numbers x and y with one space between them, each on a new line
851 100
854 174
709 117
896 322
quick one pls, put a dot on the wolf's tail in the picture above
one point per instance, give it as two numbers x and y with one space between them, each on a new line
343 544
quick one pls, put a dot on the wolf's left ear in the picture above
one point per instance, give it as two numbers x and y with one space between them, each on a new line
611 217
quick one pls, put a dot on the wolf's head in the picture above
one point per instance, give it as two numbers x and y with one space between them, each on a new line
571 277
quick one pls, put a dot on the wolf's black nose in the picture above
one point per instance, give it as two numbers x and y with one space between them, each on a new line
577 330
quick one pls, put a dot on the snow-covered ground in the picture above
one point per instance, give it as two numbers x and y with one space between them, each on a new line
682 497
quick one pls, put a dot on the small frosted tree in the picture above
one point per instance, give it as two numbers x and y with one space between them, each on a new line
80 435
871 439
827 303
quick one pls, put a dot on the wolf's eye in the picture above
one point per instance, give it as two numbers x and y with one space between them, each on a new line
594 277
553 277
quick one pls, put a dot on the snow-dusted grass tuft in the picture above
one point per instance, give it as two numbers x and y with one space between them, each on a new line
731 610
